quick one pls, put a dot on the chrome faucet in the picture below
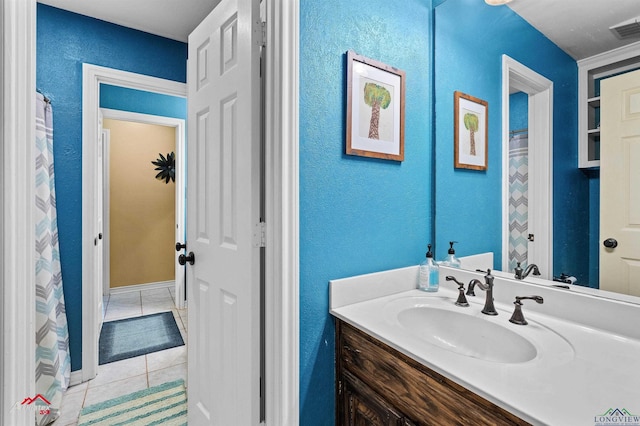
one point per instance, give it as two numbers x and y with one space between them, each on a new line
472 286
487 286
520 274
518 317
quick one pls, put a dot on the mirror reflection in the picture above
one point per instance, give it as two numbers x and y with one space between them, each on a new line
517 216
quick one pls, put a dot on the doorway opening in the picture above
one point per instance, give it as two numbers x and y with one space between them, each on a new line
282 165
143 214
538 230
518 180
92 250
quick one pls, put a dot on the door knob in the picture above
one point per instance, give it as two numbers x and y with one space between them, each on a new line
182 259
180 246
610 243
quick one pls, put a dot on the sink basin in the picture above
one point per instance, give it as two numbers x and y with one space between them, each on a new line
466 334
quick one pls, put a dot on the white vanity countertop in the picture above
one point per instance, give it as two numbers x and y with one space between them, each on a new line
580 372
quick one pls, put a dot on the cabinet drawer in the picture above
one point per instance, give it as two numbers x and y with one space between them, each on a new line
420 393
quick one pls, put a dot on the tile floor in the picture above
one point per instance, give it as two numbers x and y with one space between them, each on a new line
133 374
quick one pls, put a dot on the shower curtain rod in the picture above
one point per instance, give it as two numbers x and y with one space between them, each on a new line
513 132
46 99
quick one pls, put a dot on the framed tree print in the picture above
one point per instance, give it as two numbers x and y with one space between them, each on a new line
470 132
375 109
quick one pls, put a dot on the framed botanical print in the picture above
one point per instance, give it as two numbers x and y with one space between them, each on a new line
470 132
375 109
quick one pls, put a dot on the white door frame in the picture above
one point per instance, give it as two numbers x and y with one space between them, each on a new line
282 208
540 91
17 195
92 77
106 229
282 263
179 126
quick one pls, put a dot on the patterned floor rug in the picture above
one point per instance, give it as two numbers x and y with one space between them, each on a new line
136 336
165 405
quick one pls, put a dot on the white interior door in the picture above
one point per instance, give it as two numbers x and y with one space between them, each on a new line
620 184
223 205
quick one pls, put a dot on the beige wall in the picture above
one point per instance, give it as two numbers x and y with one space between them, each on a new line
142 208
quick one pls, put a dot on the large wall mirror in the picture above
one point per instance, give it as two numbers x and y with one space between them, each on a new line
470 40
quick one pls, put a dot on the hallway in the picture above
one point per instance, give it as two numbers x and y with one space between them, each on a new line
133 374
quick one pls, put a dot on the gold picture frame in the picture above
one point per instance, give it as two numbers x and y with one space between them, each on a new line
470 126
375 109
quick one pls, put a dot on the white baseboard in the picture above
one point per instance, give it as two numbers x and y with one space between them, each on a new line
76 378
141 287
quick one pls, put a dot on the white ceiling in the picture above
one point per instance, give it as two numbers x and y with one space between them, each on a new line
173 19
579 27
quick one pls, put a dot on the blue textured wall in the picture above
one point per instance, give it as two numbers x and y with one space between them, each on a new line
64 41
518 111
132 100
357 215
470 39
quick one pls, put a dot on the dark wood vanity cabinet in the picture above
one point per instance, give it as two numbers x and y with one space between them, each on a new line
379 386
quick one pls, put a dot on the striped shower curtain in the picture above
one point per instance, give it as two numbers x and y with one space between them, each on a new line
53 363
518 200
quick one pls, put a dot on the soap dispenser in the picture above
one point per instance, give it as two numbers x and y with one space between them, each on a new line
428 280
451 260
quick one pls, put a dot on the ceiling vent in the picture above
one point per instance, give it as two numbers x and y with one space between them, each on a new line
627 29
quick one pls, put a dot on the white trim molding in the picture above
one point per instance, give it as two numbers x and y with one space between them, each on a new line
17 195
76 378
540 90
282 251
106 209
92 77
141 287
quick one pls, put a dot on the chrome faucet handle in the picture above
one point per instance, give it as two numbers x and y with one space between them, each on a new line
462 300
518 316
518 271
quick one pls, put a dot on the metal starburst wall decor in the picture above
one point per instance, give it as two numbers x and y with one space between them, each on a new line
166 167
